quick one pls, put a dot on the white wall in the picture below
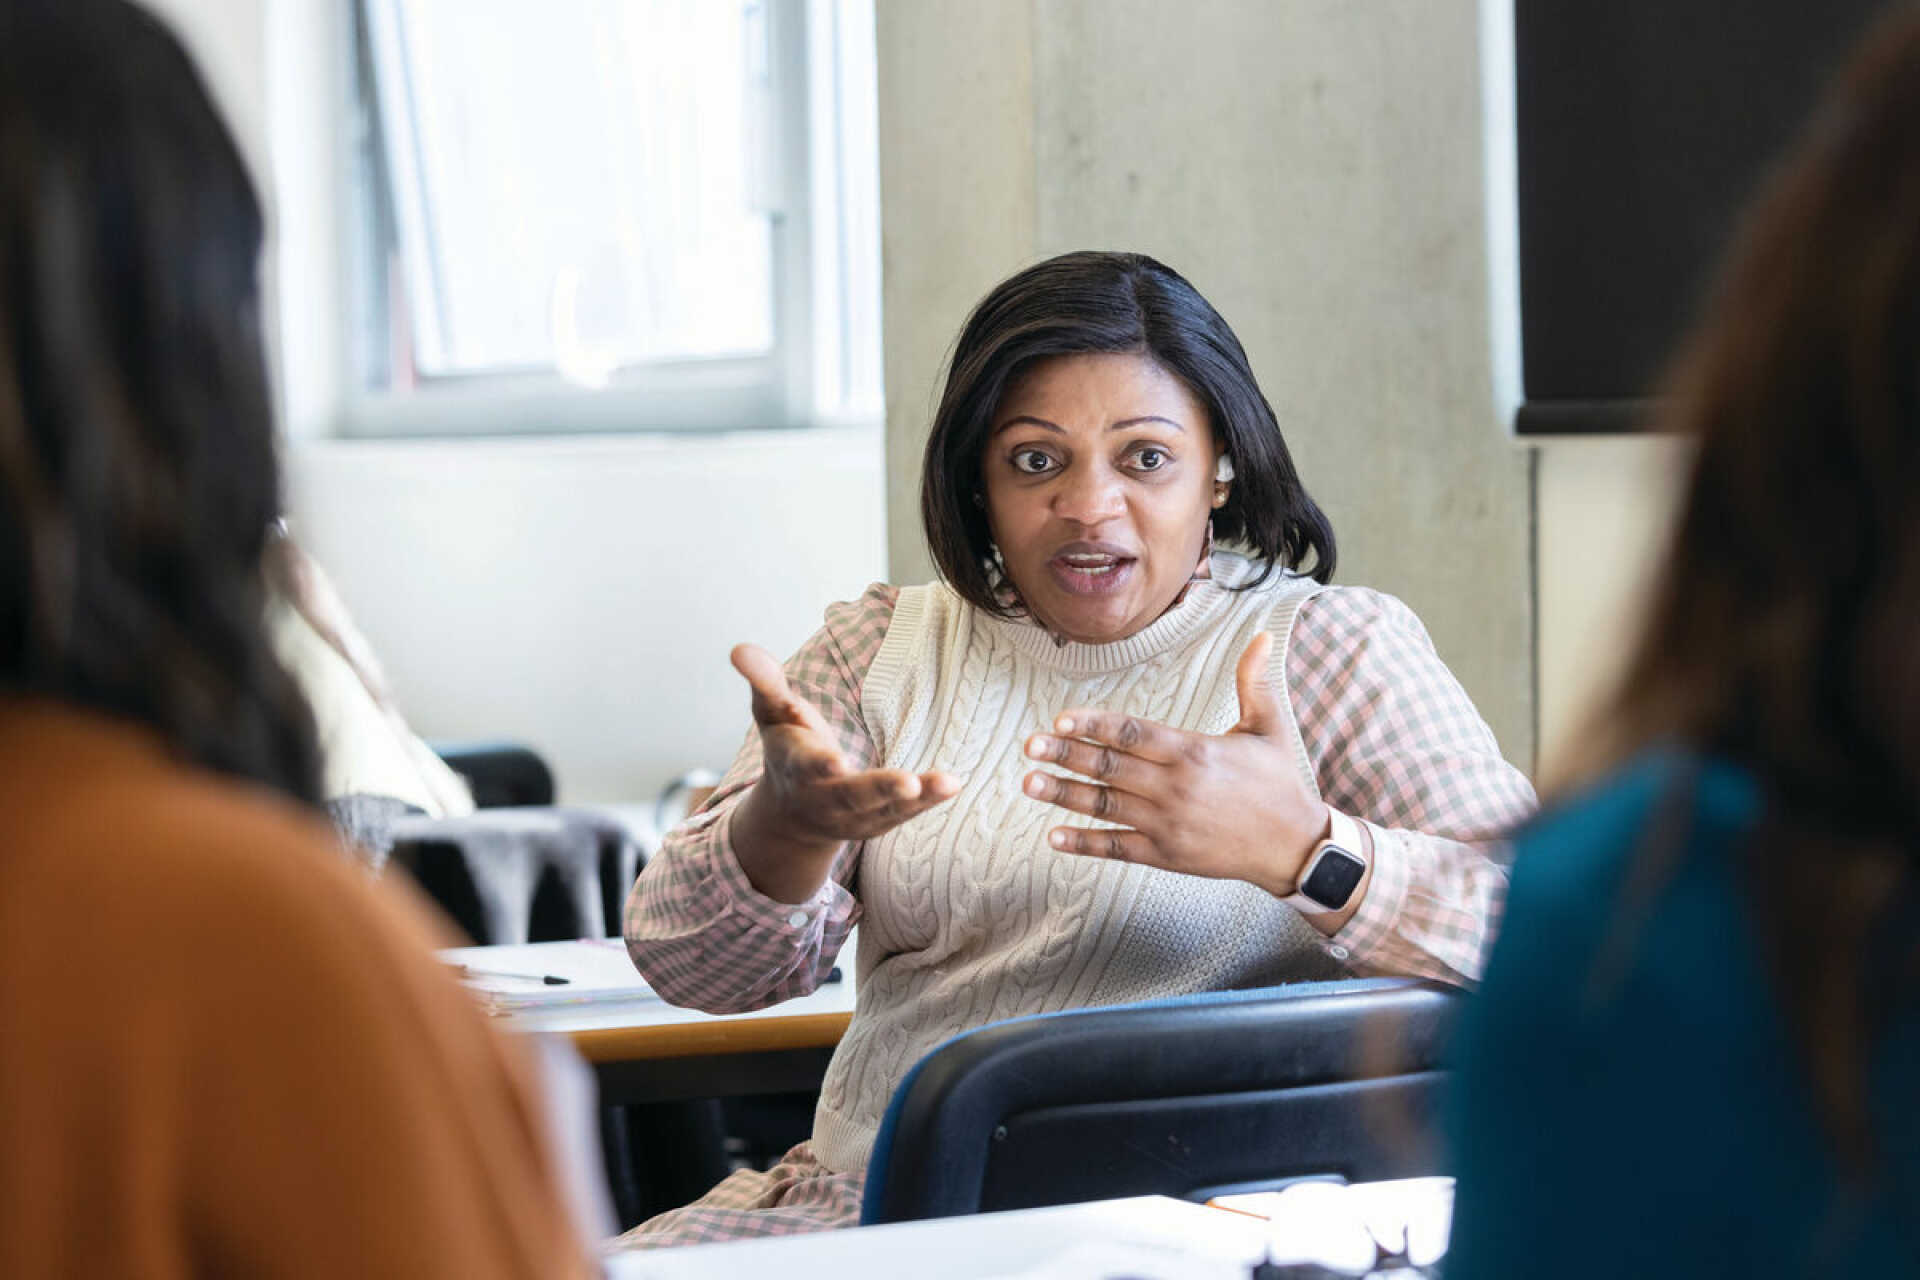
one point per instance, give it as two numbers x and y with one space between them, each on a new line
581 595
1603 511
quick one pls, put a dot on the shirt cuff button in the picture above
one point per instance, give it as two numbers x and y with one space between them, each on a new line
798 919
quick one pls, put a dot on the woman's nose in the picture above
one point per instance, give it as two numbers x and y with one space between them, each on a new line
1089 495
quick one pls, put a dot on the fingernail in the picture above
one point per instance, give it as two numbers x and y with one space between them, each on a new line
1034 784
1063 725
1038 746
1058 839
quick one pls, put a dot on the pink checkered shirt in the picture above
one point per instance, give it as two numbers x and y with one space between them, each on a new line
1395 741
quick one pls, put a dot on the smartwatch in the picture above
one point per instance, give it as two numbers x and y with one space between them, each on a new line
1333 871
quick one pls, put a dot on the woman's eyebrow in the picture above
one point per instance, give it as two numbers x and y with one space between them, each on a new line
1112 426
1030 420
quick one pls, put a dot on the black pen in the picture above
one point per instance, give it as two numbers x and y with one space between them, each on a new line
551 979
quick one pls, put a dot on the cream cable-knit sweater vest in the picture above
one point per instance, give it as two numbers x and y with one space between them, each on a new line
969 916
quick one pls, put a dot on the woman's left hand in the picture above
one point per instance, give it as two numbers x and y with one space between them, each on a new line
1232 806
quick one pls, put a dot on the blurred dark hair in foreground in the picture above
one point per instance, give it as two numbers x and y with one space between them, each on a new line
138 474
1784 632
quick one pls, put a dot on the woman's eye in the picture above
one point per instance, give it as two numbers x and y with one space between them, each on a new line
1031 462
1150 459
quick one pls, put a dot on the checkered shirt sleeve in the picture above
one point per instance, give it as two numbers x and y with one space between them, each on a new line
695 926
1397 743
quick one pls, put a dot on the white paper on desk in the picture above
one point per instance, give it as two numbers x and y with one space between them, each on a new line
1339 1224
1105 1259
510 979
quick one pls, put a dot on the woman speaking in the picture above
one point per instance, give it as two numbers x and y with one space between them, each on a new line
1104 759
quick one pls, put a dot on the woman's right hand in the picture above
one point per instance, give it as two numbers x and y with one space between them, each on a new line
808 801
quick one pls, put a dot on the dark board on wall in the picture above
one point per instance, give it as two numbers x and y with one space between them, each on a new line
1644 127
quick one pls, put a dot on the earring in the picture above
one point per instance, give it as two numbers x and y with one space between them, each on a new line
999 582
1219 496
997 569
978 499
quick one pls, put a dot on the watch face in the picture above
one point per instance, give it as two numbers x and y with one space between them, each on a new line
1335 875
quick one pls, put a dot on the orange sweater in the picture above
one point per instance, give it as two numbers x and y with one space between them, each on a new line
224 1052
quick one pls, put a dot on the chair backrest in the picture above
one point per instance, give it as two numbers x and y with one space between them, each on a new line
1186 1097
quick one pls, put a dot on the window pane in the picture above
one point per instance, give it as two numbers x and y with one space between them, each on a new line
576 180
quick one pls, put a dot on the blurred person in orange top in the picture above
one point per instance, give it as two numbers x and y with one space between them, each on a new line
226 1051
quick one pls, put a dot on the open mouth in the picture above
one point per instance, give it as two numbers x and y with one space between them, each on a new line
1090 572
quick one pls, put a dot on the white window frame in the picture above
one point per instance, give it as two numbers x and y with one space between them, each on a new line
823 368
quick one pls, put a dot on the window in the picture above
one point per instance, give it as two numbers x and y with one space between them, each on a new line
614 215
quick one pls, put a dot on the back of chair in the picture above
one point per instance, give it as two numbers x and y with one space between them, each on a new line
1185 1097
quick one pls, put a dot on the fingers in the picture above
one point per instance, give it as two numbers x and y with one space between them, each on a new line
1130 734
866 804
1259 709
1101 763
935 789
1116 845
774 701
1105 803
874 791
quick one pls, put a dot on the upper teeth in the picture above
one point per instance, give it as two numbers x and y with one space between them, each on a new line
1089 561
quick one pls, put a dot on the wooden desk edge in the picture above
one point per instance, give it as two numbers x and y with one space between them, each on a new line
698 1039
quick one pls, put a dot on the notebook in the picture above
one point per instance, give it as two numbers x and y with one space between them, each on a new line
549 975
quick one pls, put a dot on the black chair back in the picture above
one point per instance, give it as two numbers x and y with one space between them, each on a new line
1225 1091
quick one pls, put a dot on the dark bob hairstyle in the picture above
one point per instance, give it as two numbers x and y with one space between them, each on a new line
137 467
1083 303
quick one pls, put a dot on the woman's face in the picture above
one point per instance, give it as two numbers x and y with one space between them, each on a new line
1098 478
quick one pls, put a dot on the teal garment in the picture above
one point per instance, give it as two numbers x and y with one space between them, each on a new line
1658 1124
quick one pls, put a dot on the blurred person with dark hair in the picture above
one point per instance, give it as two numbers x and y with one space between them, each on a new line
1697 1049
1264 778
225 1051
